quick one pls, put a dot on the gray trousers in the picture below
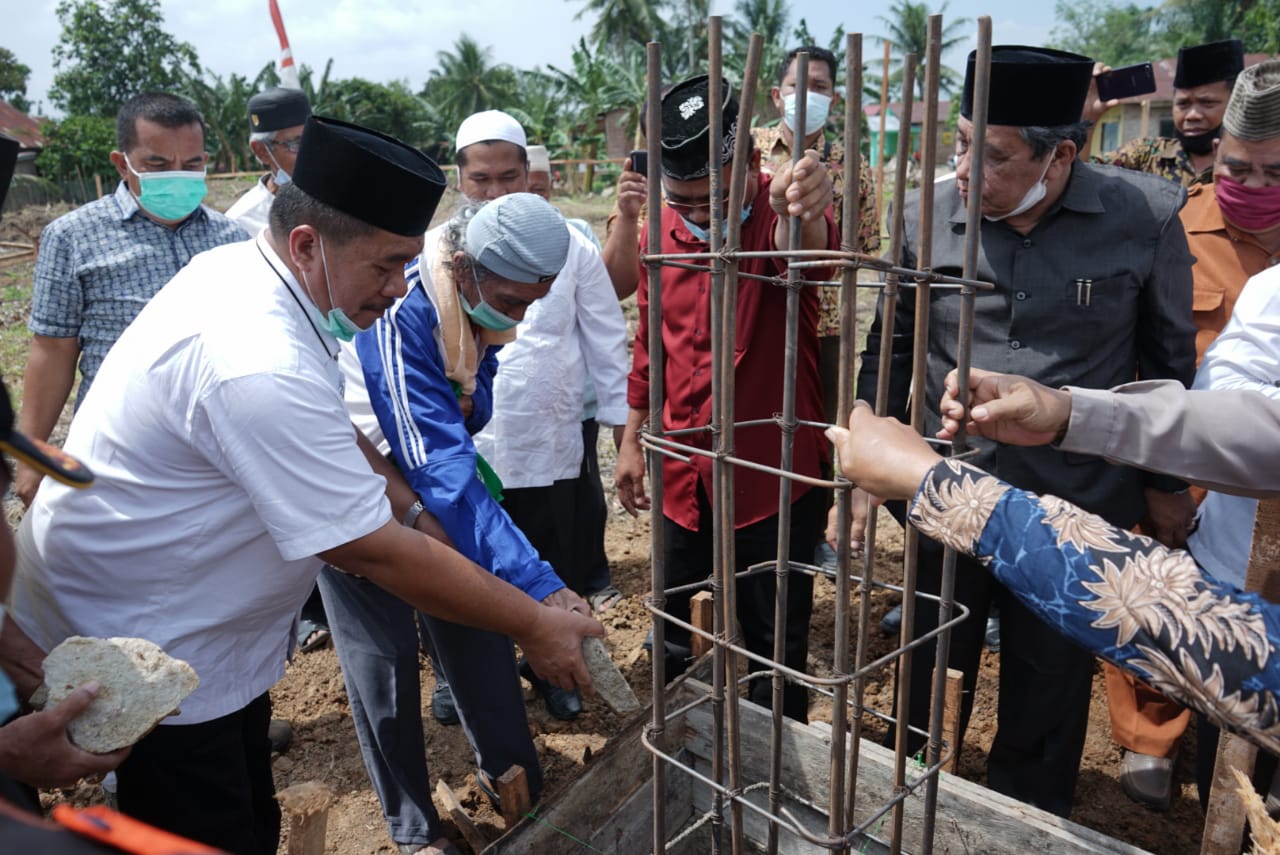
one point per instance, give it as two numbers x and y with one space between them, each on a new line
377 639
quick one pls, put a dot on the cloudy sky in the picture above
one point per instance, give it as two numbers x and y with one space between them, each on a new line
386 40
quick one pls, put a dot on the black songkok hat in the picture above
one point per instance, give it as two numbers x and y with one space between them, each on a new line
1211 63
1031 86
277 108
8 160
686 125
370 176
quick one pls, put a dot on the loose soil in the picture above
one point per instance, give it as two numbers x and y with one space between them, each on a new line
313 699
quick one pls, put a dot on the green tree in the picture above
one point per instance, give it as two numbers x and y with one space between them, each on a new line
584 88
621 24
391 108
466 81
112 50
1106 31
1189 22
78 148
907 29
13 80
1259 31
224 103
769 18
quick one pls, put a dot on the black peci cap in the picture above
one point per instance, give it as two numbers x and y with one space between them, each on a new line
1031 86
277 108
368 175
1208 63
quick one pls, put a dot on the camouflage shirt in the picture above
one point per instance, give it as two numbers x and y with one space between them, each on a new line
777 154
1161 156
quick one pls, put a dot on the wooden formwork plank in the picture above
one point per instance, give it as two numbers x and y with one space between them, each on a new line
1224 820
610 804
969 818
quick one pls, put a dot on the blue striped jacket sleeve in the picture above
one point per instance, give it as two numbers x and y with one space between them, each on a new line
430 442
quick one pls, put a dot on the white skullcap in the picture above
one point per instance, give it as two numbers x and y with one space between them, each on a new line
489 126
539 159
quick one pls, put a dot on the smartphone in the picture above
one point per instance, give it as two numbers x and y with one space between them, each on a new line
1126 82
640 161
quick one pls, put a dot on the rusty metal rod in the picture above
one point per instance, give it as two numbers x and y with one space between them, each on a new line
653 124
715 137
890 305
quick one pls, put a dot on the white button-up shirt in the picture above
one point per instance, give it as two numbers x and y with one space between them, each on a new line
576 331
225 462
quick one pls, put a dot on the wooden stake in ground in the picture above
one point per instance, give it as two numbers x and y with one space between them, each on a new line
1225 818
513 794
477 841
701 608
306 814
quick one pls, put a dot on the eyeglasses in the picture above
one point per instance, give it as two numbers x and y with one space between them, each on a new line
291 145
685 208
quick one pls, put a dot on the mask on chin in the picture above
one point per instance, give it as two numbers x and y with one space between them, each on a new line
1198 144
280 177
336 322
703 233
1035 193
482 314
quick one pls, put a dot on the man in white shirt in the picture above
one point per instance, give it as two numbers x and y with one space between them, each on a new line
228 473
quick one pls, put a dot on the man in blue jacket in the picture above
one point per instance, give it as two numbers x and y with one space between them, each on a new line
429 366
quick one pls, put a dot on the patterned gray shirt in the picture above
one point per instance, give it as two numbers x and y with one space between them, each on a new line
101 263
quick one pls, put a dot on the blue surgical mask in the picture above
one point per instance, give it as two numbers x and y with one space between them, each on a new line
280 177
336 321
703 233
817 106
171 195
483 314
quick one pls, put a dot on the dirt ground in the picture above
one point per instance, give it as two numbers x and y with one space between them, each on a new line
313 698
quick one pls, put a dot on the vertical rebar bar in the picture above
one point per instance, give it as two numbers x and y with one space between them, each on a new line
715 144
920 371
889 308
727 344
839 817
782 570
653 461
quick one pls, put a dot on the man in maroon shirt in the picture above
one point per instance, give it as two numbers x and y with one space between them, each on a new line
803 191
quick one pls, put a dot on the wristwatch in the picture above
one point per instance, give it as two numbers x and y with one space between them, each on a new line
411 516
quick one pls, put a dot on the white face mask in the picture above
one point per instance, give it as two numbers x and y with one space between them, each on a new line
817 106
1030 199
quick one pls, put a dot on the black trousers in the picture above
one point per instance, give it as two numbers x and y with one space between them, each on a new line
688 557
565 521
590 561
210 782
1044 690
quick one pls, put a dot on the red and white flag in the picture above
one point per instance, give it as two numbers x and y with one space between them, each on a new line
288 71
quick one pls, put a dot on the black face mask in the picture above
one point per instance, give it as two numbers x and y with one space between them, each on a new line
1198 143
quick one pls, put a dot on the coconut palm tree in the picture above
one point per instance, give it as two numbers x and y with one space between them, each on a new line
621 23
907 29
466 81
